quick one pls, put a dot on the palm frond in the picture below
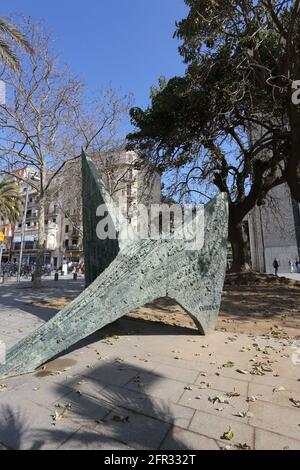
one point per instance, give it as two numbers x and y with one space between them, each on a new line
11 207
7 55
15 35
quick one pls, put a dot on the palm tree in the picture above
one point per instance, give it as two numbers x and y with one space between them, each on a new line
10 201
10 35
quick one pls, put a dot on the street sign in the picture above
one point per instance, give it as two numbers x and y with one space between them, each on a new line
1 237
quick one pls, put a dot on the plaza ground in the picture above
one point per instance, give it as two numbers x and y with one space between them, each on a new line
144 384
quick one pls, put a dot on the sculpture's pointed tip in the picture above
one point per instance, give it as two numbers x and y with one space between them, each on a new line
83 154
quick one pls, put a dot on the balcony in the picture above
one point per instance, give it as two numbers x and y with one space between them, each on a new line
72 249
31 217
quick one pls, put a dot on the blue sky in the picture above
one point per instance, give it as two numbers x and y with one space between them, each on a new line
126 43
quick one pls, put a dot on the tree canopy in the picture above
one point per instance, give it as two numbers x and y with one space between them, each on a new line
230 121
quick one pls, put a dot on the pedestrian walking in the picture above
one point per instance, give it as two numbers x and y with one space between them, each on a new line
291 265
276 266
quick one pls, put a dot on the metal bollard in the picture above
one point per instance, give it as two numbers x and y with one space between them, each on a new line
75 276
56 277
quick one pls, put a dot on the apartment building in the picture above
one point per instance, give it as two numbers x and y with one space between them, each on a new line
128 182
53 226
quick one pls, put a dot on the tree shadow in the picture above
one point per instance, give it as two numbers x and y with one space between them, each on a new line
100 414
259 302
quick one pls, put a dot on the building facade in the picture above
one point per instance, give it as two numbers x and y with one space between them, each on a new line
53 221
274 231
129 184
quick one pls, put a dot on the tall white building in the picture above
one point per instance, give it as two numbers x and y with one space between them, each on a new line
274 231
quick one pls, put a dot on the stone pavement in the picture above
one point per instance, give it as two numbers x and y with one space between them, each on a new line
144 385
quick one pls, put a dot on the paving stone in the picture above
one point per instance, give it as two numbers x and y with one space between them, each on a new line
39 393
30 426
214 426
231 409
226 384
163 410
273 394
156 386
133 429
168 411
181 439
176 373
86 439
112 374
119 396
279 419
265 440
85 410
289 383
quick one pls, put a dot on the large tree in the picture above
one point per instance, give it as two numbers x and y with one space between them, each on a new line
263 37
46 121
225 123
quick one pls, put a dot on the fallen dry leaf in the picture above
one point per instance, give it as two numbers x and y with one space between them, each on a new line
229 364
243 447
219 399
228 436
233 394
120 419
296 403
279 389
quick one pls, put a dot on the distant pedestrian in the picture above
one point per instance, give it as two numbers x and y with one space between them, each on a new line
298 265
276 266
291 265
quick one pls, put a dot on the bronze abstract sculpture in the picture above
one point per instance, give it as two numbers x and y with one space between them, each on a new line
135 272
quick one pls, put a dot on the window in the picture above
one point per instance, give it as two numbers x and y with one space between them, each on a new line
67 229
67 243
54 220
29 245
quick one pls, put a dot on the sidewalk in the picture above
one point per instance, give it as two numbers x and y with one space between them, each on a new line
144 385
294 276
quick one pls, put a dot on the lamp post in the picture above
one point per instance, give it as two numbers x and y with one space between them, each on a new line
23 233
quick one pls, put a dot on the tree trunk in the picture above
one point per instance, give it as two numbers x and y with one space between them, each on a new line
293 163
238 238
37 282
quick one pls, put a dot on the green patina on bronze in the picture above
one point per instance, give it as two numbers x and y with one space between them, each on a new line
98 254
135 272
